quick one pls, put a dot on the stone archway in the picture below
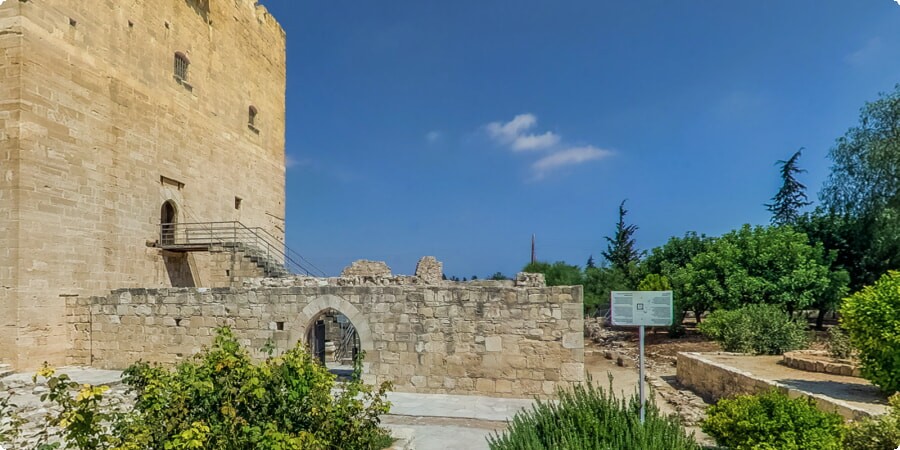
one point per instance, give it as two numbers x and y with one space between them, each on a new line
327 302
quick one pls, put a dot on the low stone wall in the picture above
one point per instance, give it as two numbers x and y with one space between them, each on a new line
490 339
712 381
818 361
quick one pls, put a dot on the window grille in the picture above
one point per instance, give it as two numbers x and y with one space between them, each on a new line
181 67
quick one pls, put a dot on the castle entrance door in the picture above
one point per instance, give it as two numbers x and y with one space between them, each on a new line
168 219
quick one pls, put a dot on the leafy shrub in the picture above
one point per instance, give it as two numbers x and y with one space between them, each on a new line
872 319
878 433
587 417
655 282
772 421
839 346
9 421
759 329
221 399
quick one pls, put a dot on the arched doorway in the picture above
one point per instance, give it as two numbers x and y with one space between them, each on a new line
333 341
167 222
313 313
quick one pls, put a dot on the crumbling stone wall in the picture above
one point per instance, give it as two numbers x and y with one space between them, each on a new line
430 270
493 339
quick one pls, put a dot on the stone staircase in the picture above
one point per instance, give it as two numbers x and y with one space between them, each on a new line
268 265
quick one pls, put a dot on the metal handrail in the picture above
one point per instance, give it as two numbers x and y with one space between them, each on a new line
206 234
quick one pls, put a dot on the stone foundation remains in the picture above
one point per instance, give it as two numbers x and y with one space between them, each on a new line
712 381
489 338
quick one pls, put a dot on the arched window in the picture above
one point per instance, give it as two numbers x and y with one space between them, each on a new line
251 116
181 66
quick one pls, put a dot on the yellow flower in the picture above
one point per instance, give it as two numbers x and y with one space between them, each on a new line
46 371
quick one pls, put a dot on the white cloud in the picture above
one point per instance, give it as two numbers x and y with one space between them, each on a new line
569 157
433 136
509 131
516 137
512 133
535 141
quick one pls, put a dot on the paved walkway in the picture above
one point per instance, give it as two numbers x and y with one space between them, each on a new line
441 421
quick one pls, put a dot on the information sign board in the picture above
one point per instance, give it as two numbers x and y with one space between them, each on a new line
636 308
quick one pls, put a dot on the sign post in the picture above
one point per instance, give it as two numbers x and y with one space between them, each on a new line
641 308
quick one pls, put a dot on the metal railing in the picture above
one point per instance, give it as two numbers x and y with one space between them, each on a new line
345 348
237 236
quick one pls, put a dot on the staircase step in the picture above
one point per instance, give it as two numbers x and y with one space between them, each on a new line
5 370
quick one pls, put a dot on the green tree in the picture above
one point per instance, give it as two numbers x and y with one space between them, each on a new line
599 282
791 198
655 282
621 250
498 276
667 259
862 194
590 263
774 265
557 274
865 176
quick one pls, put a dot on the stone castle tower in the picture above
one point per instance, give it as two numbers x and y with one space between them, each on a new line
117 117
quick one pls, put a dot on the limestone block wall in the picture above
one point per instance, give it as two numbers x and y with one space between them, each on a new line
97 134
713 381
10 111
453 338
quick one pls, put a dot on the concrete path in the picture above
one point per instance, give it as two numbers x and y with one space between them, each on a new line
442 421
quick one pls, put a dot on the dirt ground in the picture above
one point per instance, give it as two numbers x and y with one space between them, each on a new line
615 352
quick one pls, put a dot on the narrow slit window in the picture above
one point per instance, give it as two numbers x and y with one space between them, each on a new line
181 66
252 115
237 202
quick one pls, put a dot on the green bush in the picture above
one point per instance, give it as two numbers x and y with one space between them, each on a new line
587 417
878 433
772 421
872 319
839 345
221 399
759 329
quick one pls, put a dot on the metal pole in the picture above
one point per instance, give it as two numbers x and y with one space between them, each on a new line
641 380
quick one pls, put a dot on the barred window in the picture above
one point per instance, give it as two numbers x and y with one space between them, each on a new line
181 66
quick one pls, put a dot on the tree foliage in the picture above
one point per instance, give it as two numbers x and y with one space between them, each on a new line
865 175
791 197
774 265
872 319
621 250
556 274
760 329
861 197
599 282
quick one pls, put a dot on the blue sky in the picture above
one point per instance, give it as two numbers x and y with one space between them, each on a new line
458 129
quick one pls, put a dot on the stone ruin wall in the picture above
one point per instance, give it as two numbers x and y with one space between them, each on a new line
490 338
